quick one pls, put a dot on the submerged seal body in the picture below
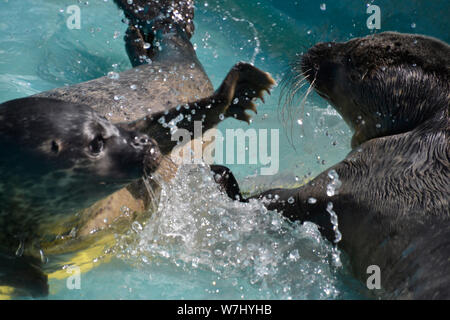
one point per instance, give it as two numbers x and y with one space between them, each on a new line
391 194
167 83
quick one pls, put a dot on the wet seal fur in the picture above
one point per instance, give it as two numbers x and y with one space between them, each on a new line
167 82
393 204
57 158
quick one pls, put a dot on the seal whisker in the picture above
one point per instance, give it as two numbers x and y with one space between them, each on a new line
146 179
291 85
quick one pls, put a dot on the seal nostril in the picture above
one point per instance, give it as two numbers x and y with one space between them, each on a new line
55 147
144 140
141 140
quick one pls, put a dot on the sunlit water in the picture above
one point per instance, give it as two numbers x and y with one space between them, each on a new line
199 244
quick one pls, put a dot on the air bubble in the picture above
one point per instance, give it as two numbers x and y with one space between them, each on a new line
113 75
312 200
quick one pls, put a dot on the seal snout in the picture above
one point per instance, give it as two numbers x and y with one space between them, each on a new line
312 60
321 66
153 155
141 141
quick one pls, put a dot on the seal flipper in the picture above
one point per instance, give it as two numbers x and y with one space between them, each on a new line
150 21
151 15
134 45
294 204
227 182
241 86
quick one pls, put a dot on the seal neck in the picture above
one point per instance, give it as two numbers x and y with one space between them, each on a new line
410 100
435 122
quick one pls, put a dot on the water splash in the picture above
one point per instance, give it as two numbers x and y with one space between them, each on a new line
334 185
199 229
257 48
332 189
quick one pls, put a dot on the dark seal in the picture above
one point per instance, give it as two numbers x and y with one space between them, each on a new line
57 158
391 194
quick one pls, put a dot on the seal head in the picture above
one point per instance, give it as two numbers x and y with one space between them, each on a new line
372 82
60 157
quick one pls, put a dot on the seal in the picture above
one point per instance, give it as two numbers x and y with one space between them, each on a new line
166 83
166 89
391 194
56 159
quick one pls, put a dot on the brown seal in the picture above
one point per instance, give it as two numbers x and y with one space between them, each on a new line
391 194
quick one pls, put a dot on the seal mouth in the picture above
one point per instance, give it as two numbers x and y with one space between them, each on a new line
308 68
318 67
314 57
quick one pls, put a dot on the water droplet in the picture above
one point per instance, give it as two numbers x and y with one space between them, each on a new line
113 75
291 200
146 45
323 6
334 222
334 185
312 200
136 226
413 25
294 255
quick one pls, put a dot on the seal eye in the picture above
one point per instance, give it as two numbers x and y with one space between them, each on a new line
96 145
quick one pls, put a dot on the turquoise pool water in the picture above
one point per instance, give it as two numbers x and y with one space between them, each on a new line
201 245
